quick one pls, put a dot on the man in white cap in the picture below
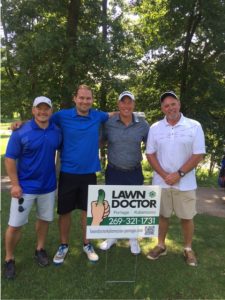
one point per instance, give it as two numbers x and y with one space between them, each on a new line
79 162
175 146
124 134
30 164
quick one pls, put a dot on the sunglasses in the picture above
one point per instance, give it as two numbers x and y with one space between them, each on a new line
21 208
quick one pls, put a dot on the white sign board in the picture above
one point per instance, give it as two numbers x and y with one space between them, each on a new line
123 211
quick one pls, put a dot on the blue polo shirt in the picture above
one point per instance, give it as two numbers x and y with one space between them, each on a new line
80 148
34 149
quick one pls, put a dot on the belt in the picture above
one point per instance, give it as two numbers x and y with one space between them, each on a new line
138 166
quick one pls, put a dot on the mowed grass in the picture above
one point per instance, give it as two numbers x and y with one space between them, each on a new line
4 137
5 126
166 278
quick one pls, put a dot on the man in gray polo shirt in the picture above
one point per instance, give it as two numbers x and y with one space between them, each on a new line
124 134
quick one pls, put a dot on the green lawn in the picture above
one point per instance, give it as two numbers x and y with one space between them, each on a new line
4 137
3 144
5 126
167 278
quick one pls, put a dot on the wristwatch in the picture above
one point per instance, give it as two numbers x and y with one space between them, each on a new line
181 173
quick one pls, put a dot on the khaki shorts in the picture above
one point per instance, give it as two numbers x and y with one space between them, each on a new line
183 203
19 212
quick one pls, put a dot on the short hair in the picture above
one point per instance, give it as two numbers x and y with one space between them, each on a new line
82 86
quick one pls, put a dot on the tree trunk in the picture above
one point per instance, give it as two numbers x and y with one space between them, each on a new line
70 49
8 67
73 20
193 21
211 165
103 88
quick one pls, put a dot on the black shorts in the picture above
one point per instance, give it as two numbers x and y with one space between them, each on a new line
73 191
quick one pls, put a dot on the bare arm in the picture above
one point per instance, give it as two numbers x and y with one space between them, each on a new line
113 113
189 165
153 161
192 162
172 178
11 169
17 124
102 144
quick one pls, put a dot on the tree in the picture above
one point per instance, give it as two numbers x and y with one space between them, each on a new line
33 39
51 47
147 46
184 50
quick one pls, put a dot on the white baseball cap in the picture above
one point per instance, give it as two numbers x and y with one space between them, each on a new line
128 94
42 99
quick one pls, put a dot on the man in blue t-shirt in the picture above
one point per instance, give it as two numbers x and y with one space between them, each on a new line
79 163
30 164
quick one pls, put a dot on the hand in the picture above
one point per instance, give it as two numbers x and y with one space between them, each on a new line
16 191
172 178
113 113
16 125
99 212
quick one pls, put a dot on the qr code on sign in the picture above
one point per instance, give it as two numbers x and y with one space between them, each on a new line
149 230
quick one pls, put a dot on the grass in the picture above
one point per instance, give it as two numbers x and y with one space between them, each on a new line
167 278
4 137
3 144
204 180
5 126
4 141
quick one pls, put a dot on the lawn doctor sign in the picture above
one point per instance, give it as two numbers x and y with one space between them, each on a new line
123 211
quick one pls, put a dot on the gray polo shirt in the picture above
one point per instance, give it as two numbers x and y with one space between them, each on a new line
124 142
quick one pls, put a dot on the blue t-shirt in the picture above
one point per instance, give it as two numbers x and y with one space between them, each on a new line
34 149
79 153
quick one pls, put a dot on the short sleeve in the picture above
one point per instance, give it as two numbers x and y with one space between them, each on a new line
103 116
146 129
199 141
151 145
14 147
56 118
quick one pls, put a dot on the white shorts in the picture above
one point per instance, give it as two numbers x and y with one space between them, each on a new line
20 209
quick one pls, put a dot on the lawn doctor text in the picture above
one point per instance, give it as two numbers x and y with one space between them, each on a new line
123 211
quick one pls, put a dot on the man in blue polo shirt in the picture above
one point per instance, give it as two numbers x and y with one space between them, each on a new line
30 164
79 162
